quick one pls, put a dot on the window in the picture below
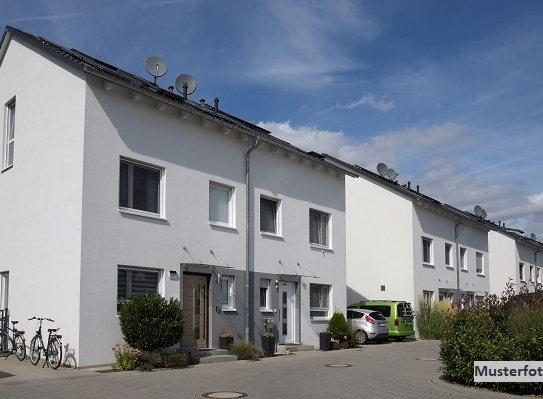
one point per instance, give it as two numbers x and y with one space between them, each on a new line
221 204
265 294
427 250
448 250
319 300
443 295
139 187
428 296
463 263
479 263
521 271
269 220
318 227
538 275
227 293
9 134
4 290
135 282
531 276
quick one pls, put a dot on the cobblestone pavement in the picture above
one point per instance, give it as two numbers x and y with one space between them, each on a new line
406 369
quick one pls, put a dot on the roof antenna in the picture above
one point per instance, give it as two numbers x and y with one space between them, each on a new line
156 67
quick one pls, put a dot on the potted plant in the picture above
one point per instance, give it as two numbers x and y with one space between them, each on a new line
337 327
225 339
268 339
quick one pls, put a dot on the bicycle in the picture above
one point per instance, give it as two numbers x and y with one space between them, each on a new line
53 350
14 344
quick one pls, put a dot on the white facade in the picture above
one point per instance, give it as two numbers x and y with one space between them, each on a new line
403 246
68 237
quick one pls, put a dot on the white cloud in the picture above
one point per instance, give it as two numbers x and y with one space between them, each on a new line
381 104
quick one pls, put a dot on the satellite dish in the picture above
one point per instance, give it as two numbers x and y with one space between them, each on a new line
478 210
533 236
392 174
185 84
156 67
483 215
382 169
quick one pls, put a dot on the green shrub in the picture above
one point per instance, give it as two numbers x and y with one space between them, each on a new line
337 326
154 360
150 322
126 357
174 360
432 318
245 350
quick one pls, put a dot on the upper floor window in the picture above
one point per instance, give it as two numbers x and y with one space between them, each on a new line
221 204
269 216
521 272
318 228
531 276
139 187
479 263
427 255
448 250
538 275
319 300
9 134
463 262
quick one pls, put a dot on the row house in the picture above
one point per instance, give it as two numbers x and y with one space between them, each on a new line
111 185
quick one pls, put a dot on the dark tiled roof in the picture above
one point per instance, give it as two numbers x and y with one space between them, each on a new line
88 64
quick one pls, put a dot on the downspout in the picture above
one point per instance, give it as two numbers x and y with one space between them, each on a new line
247 238
457 261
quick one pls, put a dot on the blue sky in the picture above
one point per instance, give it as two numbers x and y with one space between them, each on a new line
448 93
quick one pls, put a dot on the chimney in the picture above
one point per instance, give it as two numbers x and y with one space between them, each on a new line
216 104
202 102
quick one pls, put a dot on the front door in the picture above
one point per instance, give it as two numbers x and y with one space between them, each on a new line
287 312
195 311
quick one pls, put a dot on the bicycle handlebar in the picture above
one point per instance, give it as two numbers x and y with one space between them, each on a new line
41 318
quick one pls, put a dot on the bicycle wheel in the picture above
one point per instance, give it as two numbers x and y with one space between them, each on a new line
35 350
6 345
54 353
20 347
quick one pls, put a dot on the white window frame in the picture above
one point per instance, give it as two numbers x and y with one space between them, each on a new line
463 259
230 222
9 134
227 285
531 276
428 296
319 310
130 188
479 261
277 222
448 253
265 284
538 271
4 290
429 244
521 271
323 218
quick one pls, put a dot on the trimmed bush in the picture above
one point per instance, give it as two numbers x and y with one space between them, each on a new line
245 350
337 326
155 360
150 322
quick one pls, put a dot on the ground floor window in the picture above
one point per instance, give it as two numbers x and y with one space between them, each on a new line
227 293
136 282
319 300
265 294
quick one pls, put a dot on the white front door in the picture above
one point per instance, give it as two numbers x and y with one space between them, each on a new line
287 312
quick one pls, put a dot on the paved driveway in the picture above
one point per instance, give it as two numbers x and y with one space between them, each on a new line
392 370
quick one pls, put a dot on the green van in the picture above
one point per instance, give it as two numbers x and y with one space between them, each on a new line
399 315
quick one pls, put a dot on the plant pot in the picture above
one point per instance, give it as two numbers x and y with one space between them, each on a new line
324 341
268 345
225 341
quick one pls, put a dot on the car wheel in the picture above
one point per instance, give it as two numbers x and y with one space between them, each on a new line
399 338
361 337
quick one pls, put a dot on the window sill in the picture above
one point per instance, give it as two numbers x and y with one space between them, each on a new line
150 215
480 275
271 235
222 226
464 270
320 319
320 247
266 310
7 168
449 267
428 265
229 309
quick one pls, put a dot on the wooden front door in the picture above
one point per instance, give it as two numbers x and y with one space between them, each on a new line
195 311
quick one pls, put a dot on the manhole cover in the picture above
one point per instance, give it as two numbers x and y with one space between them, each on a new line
224 395
337 365
428 359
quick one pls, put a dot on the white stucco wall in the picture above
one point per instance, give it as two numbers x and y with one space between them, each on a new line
40 200
379 242
503 261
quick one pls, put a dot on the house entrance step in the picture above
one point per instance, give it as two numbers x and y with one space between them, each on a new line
294 348
209 355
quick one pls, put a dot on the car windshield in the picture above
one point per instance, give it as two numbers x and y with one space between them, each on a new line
377 316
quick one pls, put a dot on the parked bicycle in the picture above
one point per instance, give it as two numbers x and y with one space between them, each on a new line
53 350
14 343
